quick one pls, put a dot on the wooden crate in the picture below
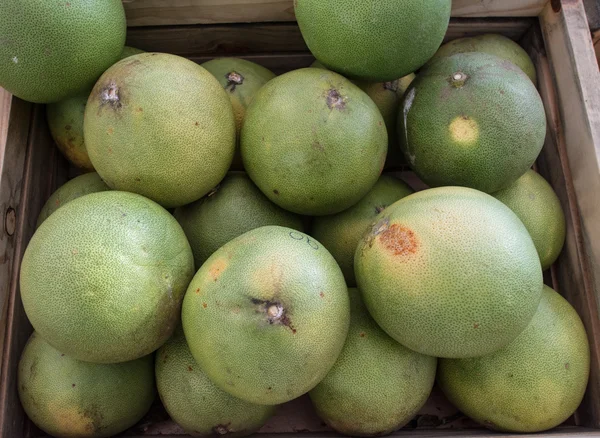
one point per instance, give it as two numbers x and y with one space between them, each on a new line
554 32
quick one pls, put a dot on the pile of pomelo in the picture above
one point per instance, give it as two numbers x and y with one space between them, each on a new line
236 244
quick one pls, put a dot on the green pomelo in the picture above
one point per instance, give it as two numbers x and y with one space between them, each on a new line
104 276
241 79
66 397
53 49
266 316
340 233
161 126
195 403
73 189
376 41
377 385
449 272
234 207
65 119
387 96
472 120
493 44
313 142
532 385
535 203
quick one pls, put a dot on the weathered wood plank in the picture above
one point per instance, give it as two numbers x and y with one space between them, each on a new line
248 39
37 175
161 13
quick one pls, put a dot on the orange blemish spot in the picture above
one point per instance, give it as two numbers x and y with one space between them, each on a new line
217 268
322 295
399 240
198 291
139 110
110 151
190 368
204 305
362 334
476 325
110 130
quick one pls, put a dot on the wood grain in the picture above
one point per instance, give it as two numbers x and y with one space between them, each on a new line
161 13
37 177
277 38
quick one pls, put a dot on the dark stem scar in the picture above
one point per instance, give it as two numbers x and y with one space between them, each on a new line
233 80
380 208
391 85
335 100
276 191
275 312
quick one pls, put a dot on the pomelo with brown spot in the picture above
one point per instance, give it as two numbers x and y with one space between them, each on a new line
377 385
195 403
340 233
492 44
449 272
532 385
54 49
76 188
161 126
66 397
65 119
313 142
241 79
538 207
472 120
375 41
235 206
266 316
103 277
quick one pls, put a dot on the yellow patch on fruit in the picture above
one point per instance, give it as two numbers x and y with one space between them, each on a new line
464 130
71 421
217 267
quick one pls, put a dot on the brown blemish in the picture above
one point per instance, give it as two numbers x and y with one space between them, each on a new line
204 305
190 368
501 91
321 294
139 109
567 366
217 268
197 291
362 334
138 180
62 354
222 429
335 100
399 240
379 208
197 124
476 325
318 146
276 191
72 385
233 80
110 150
68 127
110 130
392 85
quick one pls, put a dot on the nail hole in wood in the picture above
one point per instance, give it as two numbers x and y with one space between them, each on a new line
10 221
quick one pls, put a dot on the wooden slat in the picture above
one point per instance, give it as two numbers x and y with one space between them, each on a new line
248 39
571 146
161 13
38 175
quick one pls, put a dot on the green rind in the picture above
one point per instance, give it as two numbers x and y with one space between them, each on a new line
492 44
535 383
73 189
498 97
377 385
313 142
532 199
54 49
225 318
449 272
103 278
375 41
195 403
168 133
340 233
233 208
66 397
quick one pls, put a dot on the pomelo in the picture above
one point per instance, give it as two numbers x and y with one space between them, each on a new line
449 272
493 44
532 385
195 403
66 397
340 233
76 188
241 79
473 120
377 385
266 316
103 277
161 126
232 208
53 49
377 41
313 142
65 119
535 203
